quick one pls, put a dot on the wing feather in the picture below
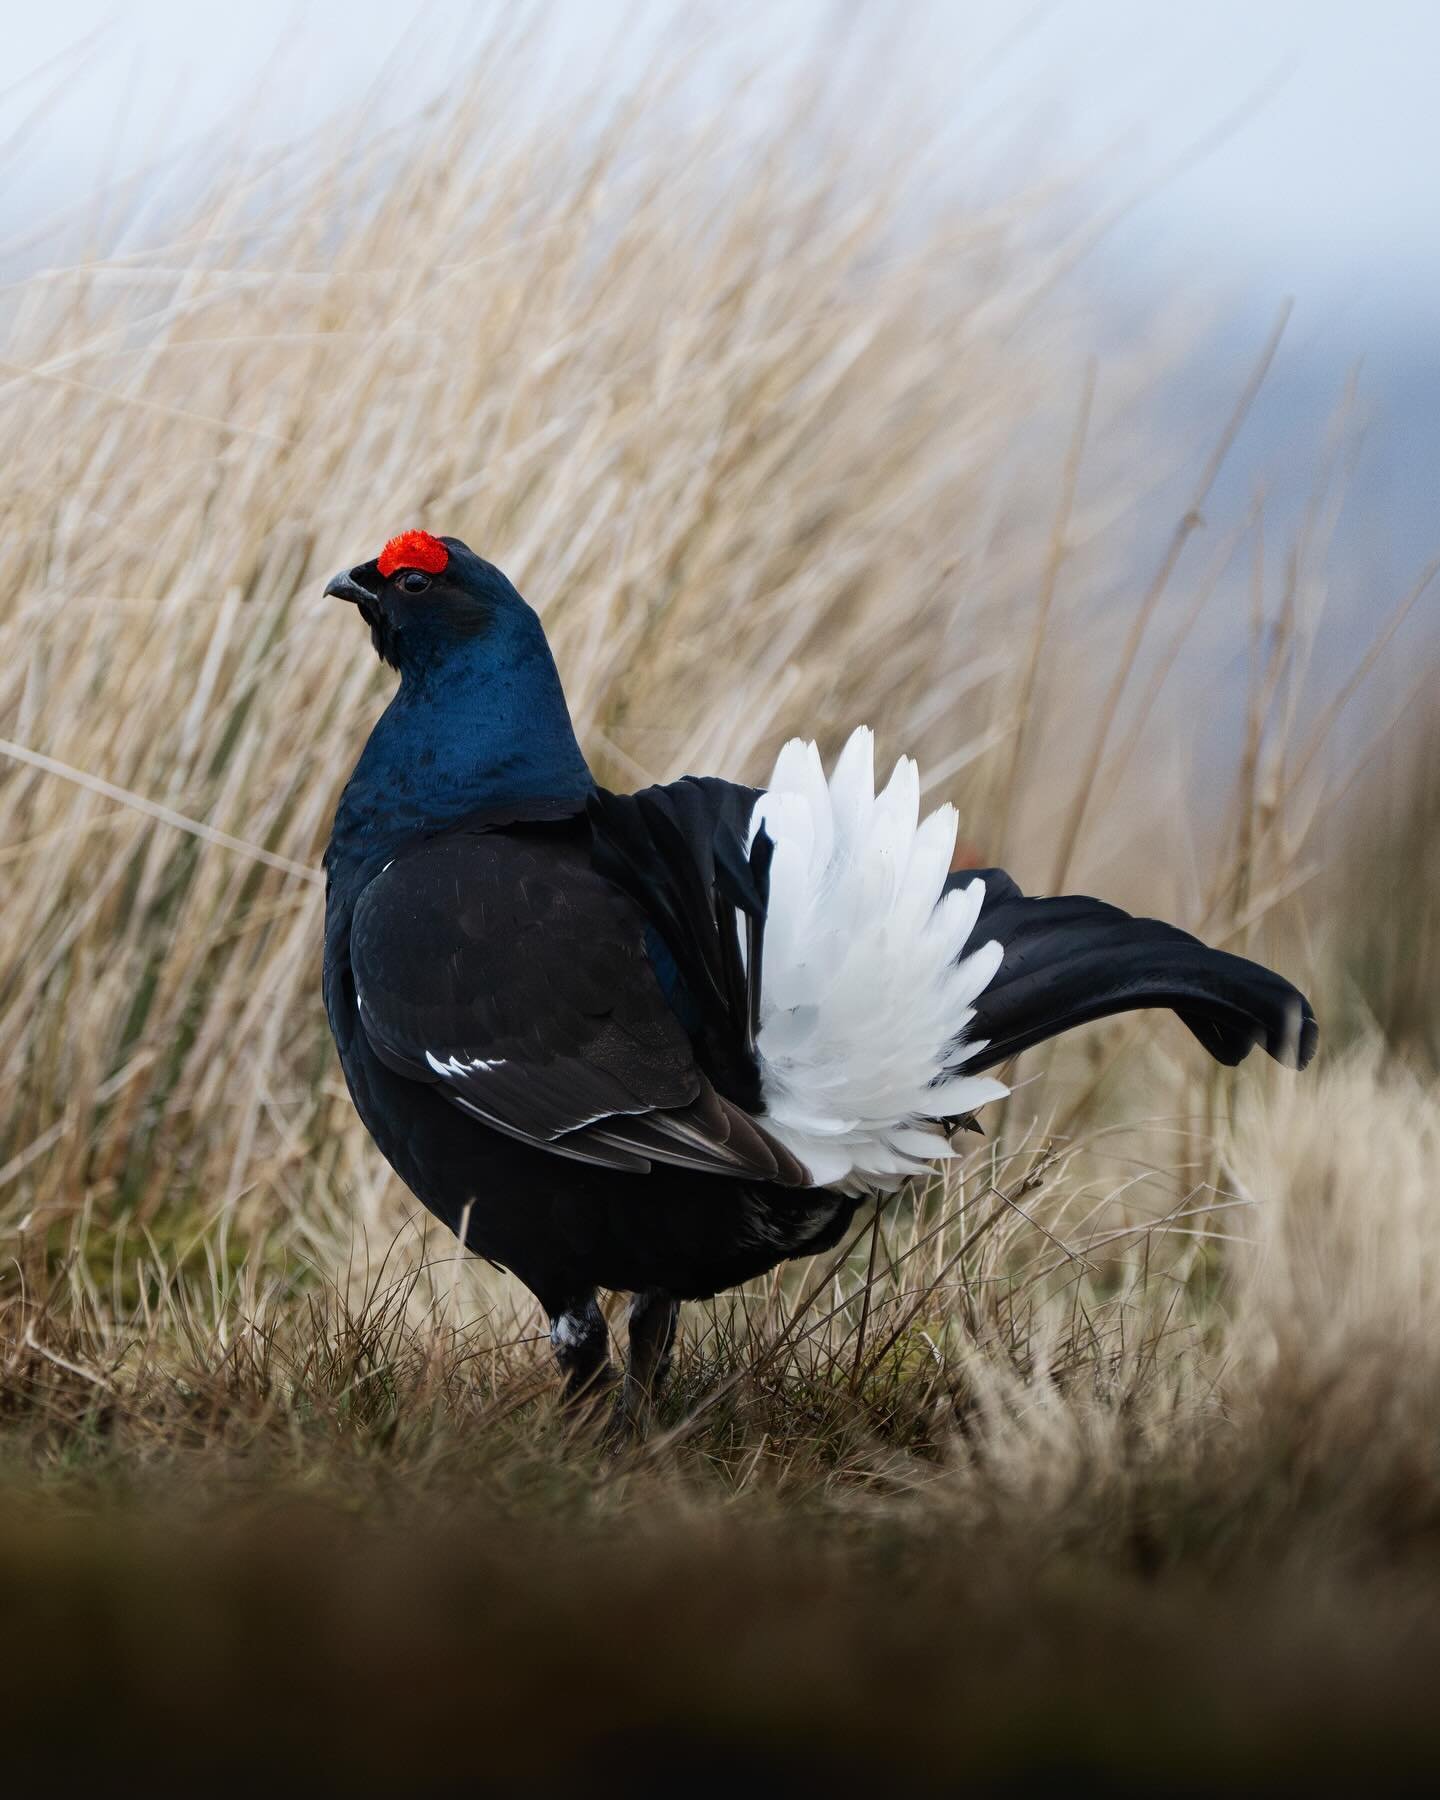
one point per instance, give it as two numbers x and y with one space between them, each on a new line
504 969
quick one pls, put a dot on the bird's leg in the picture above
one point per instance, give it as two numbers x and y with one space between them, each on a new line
653 1316
582 1348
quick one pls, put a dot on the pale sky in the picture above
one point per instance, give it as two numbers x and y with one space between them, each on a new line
1328 183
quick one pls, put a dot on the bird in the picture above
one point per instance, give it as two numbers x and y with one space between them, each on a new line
657 1043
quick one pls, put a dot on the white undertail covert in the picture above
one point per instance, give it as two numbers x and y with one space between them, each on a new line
866 990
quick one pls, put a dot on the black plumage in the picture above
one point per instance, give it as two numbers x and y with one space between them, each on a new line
1071 960
547 998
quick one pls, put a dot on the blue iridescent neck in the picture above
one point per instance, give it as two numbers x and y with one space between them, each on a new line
482 725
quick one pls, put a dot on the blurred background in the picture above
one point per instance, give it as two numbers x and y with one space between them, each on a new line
1222 160
1055 387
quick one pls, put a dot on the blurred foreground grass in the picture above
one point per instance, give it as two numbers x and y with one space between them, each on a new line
1119 1451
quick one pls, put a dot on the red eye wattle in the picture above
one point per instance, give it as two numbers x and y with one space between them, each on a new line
413 550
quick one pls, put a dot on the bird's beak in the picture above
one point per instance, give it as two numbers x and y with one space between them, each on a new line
350 584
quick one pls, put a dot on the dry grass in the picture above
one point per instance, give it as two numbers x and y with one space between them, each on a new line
1118 1450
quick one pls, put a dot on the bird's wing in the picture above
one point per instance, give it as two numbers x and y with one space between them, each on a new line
503 968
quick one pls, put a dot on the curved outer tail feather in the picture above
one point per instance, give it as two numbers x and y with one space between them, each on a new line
1070 960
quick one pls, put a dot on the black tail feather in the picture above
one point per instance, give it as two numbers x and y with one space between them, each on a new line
1070 959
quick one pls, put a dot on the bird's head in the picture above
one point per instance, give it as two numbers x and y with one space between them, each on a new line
425 597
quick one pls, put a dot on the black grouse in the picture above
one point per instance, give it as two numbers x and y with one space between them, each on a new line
659 1042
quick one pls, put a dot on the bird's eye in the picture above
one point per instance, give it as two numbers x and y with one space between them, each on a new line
414 582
